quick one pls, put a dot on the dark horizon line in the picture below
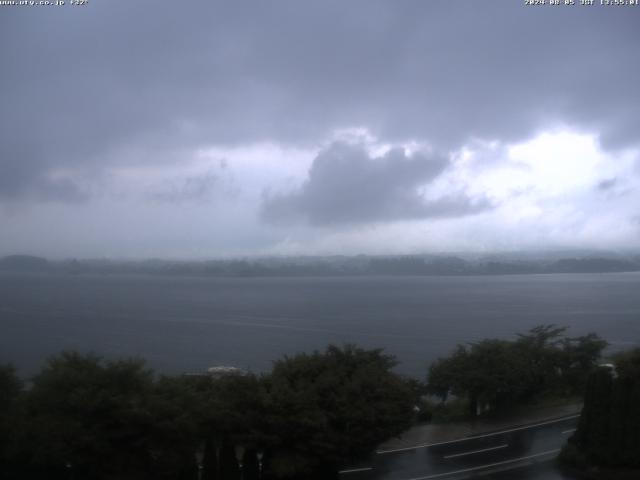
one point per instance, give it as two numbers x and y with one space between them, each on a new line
464 254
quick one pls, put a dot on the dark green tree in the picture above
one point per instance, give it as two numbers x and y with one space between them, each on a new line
503 373
542 358
578 358
486 373
10 391
10 387
89 417
235 423
333 407
608 434
178 426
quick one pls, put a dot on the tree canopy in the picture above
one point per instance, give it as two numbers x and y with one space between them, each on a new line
335 406
501 373
85 417
608 433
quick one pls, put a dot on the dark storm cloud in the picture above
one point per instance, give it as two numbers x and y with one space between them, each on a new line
346 186
81 86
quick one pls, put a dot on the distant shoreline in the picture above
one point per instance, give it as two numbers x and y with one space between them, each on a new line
336 266
328 275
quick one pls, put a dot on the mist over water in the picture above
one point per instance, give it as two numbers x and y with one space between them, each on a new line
181 324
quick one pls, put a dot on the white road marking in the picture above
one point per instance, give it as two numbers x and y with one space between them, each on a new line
466 439
489 465
354 470
477 451
571 430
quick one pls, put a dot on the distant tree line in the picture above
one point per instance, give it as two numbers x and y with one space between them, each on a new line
325 266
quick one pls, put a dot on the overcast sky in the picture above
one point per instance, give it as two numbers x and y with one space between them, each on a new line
223 128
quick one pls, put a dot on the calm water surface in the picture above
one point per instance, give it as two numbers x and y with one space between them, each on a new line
187 324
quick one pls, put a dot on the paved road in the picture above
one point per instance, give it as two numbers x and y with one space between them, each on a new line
512 448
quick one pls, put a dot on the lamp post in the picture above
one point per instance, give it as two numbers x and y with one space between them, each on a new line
259 456
199 459
240 457
69 467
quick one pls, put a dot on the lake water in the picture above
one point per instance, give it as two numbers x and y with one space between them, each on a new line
183 324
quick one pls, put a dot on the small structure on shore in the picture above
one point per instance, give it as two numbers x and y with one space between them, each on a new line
222 371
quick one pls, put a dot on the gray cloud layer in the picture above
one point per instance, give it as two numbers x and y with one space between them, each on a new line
81 87
113 118
195 188
346 186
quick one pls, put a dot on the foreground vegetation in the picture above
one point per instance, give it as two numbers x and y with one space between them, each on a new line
84 417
